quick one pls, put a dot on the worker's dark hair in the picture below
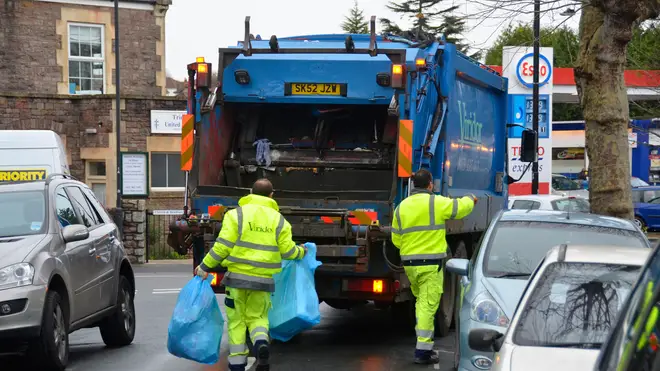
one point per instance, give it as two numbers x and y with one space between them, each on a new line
262 187
422 178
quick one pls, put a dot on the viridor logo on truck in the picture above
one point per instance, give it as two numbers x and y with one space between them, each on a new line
470 127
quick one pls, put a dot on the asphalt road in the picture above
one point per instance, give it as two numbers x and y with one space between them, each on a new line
358 340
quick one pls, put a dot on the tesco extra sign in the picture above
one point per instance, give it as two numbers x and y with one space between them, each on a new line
525 70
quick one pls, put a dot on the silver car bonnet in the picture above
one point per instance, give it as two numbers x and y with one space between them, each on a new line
15 249
506 292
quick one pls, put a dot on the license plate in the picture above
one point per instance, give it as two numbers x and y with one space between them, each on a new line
304 88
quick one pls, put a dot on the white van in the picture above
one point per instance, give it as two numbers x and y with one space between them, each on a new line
31 155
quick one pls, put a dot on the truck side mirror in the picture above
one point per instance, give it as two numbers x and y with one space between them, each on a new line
529 144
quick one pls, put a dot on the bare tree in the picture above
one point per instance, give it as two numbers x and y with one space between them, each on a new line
606 27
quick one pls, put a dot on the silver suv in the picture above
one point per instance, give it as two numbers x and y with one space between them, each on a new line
62 268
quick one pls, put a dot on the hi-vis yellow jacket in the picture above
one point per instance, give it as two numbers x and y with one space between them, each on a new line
418 229
254 239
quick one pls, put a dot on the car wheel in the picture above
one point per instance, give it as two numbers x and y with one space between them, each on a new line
51 350
640 222
119 328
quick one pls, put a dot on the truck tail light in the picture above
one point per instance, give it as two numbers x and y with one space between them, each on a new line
375 286
420 63
242 77
398 76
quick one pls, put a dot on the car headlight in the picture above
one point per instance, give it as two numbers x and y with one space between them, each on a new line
486 310
16 275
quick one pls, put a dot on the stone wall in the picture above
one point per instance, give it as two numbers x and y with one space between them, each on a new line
34 46
135 223
71 115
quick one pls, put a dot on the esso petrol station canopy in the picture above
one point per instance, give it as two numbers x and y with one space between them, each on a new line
642 84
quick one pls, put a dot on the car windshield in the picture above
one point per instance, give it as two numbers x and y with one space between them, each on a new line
636 182
571 204
517 247
23 213
574 305
651 197
561 183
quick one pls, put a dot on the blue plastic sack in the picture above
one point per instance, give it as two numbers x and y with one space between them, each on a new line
295 301
195 331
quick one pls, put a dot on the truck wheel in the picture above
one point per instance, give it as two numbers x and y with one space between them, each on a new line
118 329
444 318
51 351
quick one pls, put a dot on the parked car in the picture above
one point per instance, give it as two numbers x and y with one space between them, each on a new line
646 201
516 241
62 268
566 311
563 186
632 344
549 202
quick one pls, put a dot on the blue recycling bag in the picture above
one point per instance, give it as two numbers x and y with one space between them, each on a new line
295 301
195 331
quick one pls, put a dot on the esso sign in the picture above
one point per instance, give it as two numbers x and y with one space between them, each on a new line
525 70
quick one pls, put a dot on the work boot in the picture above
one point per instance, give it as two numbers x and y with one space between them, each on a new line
263 353
237 367
426 357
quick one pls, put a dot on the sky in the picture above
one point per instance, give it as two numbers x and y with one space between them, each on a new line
199 27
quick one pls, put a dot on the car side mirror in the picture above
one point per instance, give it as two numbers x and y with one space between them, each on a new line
75 232
458 266
529 144
485 340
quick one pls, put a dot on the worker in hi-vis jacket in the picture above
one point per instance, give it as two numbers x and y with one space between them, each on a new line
254 239
418 231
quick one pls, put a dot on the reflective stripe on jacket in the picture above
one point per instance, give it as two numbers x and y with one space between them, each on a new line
254 239
418 229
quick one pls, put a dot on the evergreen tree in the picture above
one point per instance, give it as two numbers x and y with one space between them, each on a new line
355 22
429 18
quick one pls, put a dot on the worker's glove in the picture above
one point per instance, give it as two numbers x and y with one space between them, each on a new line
304 248
474 198
201 273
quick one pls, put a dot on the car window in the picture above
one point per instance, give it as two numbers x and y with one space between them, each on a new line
65 212
561 183
526 205
636 182
518 246
23 213
652 196
89 217
571 204
638 196
96 205
574 305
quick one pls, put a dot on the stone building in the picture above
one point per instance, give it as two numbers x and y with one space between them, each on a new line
57 72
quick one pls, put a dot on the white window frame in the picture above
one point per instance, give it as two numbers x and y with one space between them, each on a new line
87 59
151 170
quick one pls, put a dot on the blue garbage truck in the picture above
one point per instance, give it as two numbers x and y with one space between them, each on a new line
338 123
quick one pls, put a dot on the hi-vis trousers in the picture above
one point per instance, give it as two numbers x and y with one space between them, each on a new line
247 310
426 283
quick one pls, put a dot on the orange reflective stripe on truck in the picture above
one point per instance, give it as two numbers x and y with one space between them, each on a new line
187 135
405 153
357 217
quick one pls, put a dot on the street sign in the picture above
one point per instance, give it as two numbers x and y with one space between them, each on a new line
525 70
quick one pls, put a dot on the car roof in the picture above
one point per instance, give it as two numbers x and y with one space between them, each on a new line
37 185
601 254
539 197
552 216
647 188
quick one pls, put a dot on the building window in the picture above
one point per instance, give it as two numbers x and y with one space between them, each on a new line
99 192
86 60
166 171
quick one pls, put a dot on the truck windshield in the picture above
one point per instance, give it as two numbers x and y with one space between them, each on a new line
574 305
23 213
518 247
